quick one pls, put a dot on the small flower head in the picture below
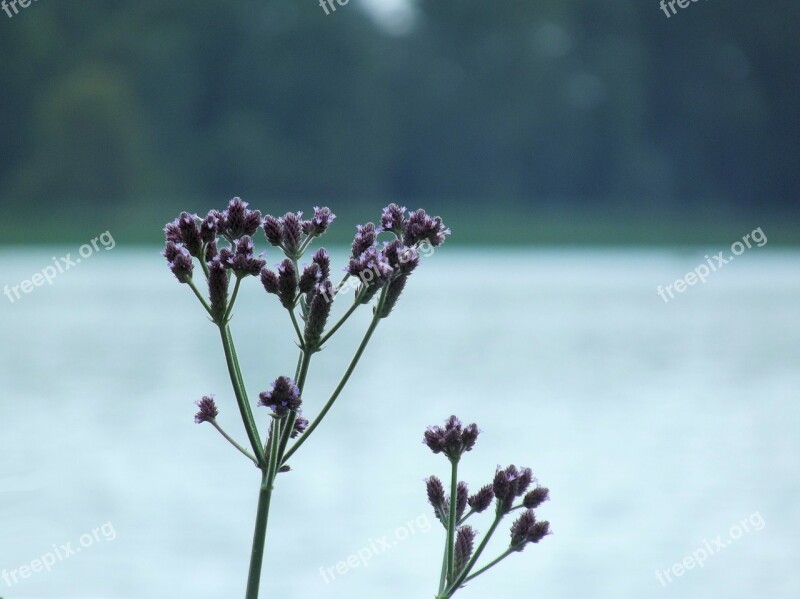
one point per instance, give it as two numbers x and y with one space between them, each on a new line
300 426
465 542
482 499
322 259
210 227
436 495
526 529
282 398
310 277
536 497
421 227
241 258
393 219
319 223
184 230
291 232
272 229
319 308
287 283
211 251
218 289
372 268
453 439
510 484
462 495
180 262
270 280
401 258
364 239
238 220
207 410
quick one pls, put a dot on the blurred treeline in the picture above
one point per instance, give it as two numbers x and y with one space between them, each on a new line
583 120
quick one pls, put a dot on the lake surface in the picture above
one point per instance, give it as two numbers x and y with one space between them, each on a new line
657 426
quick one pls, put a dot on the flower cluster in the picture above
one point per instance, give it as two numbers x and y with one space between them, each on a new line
282 398
527 529
509 485
453 439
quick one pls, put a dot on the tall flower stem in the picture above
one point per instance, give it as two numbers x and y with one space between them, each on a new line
491 564
340 387
262 514
475 556
452 518
241 394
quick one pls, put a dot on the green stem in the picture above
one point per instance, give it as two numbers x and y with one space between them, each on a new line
451 521
304 246
475 556
233 442
262 516
233 299
341 284
494 562
443 575
241 393
199 295
290 420
353 363
343 319
202 260
296 327
466 517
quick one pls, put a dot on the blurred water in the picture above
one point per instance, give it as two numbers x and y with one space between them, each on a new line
657 427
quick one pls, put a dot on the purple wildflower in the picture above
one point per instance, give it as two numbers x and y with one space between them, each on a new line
210 227
300 426
374 271
536 497
291 232
184 230
242 257
482 499
526 529
436 496
181 263
510 484
421 227
272 229
393 219
287 283
238 220
401 258
309 278
282 398
364 239
270 281
218 289
322 259
319 308
207 410
465 542
453 439
319 223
